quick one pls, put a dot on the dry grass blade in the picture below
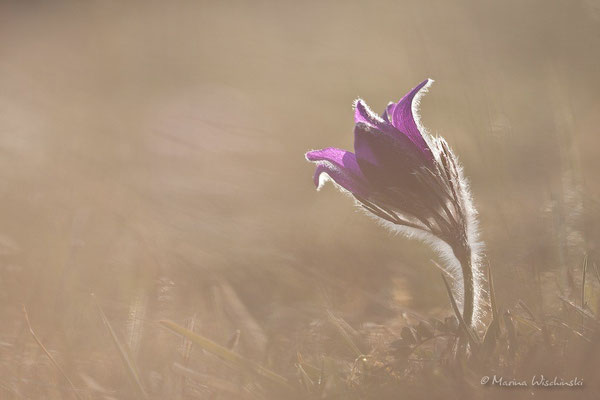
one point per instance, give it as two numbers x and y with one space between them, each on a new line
492 294
585 265
187 344
583 302
305 378
512 334
135 326
493 330
344 334
522 304
234 340
313 372
571 282
125 356
490 338
582 311
11 391
473 341
208 380
571 329
526 322
41 345
227 355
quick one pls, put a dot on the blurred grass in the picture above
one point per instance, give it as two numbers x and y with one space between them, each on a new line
155 151
227 355
125 355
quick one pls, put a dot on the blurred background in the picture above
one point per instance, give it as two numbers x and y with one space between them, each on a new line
152 153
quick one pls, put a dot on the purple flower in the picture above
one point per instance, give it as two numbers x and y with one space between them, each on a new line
412 183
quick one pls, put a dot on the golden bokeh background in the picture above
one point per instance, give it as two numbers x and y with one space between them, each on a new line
152 153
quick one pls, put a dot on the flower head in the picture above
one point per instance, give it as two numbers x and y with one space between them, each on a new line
413 183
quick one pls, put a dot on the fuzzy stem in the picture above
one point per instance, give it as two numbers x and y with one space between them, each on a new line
469 291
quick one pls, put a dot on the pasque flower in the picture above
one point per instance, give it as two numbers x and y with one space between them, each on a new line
412 183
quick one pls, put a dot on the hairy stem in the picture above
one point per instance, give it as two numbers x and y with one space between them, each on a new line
464 258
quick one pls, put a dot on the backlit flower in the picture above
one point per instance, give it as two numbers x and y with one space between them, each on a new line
412 183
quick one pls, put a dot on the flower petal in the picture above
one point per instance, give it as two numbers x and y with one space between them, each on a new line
389 110
403 118
341 166
362 113
385 159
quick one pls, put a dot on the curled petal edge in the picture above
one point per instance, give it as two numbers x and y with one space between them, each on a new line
339 166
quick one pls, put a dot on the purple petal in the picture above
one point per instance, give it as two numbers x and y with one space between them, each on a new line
365 144
385 159
402 118
362 113
342 167
389 111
